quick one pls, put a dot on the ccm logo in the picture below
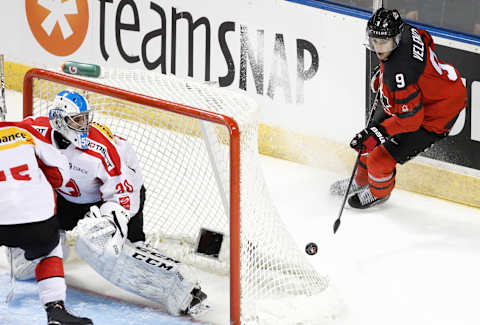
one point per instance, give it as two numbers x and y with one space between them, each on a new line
152 261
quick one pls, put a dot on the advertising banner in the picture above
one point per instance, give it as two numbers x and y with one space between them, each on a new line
303 66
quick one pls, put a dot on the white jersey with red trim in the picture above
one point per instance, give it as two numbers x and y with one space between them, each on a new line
108 170
27 193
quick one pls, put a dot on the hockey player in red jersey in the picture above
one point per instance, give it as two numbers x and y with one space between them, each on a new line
421 98
106 185
29 168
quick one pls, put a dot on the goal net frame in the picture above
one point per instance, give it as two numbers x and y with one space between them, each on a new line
228 122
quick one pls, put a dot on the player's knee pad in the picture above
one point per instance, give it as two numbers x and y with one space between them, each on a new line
361 174
24 269
381 172
380 162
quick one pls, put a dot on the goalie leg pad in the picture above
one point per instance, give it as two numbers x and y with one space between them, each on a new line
139 269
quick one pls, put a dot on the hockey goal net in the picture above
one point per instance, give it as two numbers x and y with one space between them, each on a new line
197 145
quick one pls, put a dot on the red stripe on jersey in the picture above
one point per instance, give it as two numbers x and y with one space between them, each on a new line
49 267
112 154
53 175
41 125
406 109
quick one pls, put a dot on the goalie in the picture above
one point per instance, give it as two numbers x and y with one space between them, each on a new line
104 201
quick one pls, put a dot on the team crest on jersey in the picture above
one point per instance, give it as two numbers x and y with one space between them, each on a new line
125 202
102 150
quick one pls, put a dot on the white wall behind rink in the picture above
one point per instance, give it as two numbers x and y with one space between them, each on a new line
331 103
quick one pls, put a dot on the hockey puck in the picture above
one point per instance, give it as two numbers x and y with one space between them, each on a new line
311 249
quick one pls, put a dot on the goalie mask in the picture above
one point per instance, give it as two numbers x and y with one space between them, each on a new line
384 30
70 115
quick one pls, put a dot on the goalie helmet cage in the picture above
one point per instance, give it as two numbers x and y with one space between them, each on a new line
201 171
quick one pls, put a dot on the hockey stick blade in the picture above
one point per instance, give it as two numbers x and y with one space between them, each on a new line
336 224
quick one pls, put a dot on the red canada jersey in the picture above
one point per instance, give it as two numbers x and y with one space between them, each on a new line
417 89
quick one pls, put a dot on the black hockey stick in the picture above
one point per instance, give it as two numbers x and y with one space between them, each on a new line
337 222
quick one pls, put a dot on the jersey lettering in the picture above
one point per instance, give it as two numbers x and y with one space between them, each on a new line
17 172
41 129
451 73
102 150
417 44
400 79
13 137
121 188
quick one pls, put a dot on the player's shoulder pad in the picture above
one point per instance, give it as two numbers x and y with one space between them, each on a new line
102 145
409 60
19 130
41 124
105 130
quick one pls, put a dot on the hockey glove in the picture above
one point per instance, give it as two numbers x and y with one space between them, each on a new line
375 81
367 139
111 223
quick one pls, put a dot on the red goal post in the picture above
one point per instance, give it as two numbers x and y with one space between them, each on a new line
227 121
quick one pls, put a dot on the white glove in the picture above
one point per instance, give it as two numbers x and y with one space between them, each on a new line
116 226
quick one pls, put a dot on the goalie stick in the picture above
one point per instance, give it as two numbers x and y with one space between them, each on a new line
3 106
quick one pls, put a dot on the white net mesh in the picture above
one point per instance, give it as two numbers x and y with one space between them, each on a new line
186 167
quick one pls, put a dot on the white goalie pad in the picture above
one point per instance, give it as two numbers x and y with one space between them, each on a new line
139 269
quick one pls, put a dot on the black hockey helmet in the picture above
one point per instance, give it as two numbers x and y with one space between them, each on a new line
384 25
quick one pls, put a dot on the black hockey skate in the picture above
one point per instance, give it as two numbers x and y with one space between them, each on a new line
198 305
365 199
58 315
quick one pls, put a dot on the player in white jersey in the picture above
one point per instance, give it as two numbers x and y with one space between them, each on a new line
106 184
29 168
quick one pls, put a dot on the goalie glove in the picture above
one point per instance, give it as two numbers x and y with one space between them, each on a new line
367 139
112 223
